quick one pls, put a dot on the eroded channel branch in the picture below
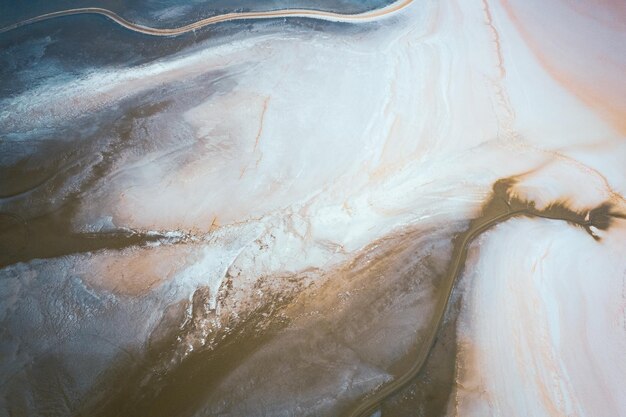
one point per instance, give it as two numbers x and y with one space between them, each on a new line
499 208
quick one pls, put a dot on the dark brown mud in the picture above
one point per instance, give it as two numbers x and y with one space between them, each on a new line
167 382
38 239
303 339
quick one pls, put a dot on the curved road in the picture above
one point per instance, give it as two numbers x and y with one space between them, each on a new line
308 13
496 211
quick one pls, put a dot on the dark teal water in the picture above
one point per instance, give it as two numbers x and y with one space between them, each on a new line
163 13
72 45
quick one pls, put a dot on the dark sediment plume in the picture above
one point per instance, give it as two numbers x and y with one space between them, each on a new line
40 239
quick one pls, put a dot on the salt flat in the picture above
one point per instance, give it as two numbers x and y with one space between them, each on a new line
296 187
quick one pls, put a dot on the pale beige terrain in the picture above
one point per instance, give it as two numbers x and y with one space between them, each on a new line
311 182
